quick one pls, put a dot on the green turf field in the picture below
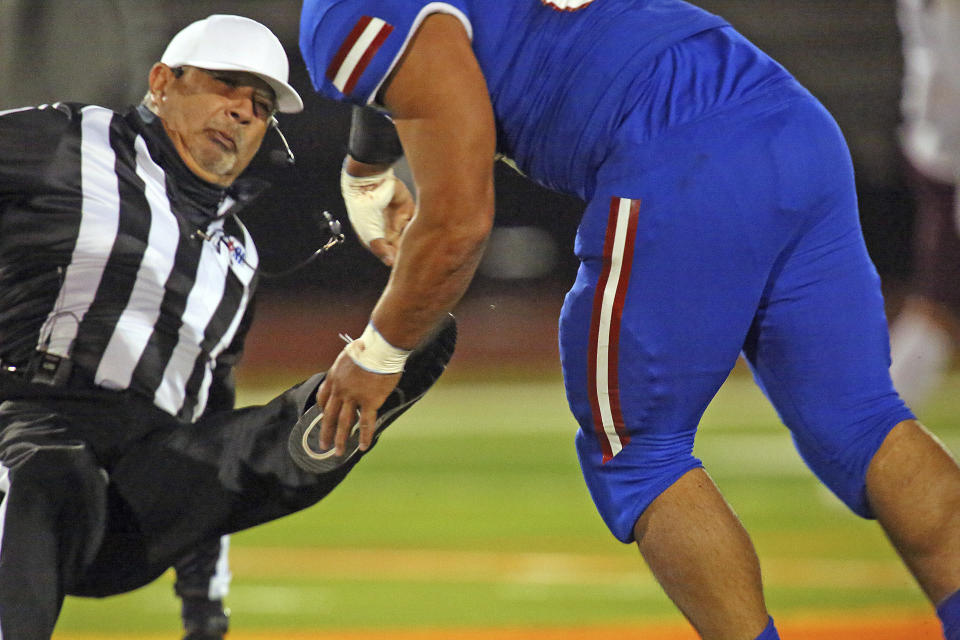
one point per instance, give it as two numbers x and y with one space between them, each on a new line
471 511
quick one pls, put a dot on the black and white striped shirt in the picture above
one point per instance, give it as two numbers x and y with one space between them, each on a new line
114 255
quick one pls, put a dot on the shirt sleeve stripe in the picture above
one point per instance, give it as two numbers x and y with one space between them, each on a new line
355 53
346 47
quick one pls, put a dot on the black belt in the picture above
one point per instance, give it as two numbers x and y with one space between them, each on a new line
47 370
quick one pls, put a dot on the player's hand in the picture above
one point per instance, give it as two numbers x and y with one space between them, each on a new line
346 390
379 207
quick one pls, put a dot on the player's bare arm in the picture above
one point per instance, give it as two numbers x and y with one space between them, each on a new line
443 115
445 122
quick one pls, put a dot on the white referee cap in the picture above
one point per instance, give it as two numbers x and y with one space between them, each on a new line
234 43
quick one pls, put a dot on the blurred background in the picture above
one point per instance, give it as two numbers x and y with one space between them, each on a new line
474 513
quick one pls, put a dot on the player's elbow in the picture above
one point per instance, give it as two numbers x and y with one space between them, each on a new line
467 237
464 214
481 218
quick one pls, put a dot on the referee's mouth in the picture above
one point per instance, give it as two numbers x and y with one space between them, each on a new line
224 140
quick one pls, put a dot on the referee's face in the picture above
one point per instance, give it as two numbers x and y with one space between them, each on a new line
215 119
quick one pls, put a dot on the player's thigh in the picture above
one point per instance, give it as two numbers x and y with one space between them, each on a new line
654 323
820 349
658 328
647 342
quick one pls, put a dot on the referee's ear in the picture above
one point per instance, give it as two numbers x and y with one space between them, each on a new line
159 79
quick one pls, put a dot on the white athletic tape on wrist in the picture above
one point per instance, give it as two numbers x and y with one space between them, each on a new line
373 353
366 199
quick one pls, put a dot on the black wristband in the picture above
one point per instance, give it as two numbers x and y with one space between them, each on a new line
373 138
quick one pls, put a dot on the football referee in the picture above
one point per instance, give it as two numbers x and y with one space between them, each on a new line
126 280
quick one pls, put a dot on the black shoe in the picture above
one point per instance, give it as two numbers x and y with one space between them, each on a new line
204 619
424 366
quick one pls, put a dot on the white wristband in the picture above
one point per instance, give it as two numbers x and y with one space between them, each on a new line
365 200
373 353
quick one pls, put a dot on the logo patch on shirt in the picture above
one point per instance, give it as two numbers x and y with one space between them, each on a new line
355 53
235 249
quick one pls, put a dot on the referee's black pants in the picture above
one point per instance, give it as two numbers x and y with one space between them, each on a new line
103 493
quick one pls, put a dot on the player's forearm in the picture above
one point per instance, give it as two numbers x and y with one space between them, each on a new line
434 267
444 120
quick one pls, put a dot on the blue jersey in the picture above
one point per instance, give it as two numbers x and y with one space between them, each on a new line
562 75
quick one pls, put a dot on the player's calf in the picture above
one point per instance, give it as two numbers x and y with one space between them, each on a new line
914 489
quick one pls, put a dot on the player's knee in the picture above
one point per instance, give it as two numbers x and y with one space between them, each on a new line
843 468
624 486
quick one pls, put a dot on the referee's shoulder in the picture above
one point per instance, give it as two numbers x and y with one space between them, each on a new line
50 115
33 136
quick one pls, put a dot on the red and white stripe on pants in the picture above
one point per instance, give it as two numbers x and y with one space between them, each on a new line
602 361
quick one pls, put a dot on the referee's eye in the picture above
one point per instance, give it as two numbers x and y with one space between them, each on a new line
263 108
